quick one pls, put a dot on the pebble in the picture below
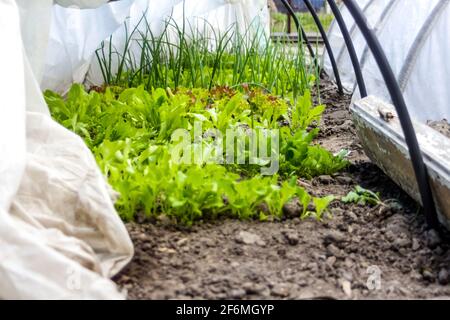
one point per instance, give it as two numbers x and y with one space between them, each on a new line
292 209
142 237
344 180
166 250
325 179
238 251
350 229
415 244
347 288
332 250
244 237
444 277
313 267
349 263
334 236
237 293
390 235
291 237
439 251
433 239
186 277
280 290
404 291
208 242
428 275
253 288
182 242
351 215
281 252
395 206
401 243
331 261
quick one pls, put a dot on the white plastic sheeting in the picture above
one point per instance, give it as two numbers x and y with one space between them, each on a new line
194 16
72 45
338 45
12 119
414 35
72 41
223 14
60 235
142 12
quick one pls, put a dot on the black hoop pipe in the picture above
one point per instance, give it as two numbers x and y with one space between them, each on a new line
350 47
327 44
299 28
420 169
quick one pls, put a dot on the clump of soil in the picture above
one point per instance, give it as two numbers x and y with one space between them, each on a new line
441 126
357 252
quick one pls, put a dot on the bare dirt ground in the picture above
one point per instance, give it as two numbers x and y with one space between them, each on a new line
358 252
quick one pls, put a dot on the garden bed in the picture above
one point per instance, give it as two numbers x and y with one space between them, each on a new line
294 258
186 137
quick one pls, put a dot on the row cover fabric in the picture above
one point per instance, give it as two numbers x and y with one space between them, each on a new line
72 45
72 42
413 34
155 13
60 235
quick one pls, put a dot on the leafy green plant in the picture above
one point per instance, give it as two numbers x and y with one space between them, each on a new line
321 205
130 132
363 197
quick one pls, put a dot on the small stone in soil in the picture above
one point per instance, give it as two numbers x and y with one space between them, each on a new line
347 288
208 242
237 293
444 277
142 237
351 215
292 209
253 288
438 251
325 179
244 237
280 290
291 237
344 180
237 251
415 244
332 250
348 263
182 242
401 243
433 239
331 260
428 276
334 237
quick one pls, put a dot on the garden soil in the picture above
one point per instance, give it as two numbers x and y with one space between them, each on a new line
358 252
